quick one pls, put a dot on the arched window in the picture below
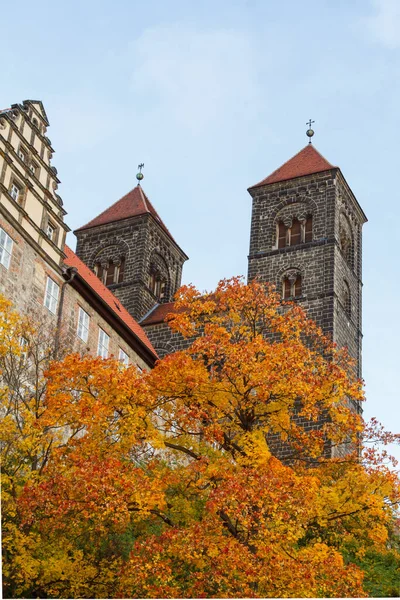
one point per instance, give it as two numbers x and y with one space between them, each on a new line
99 271
297 233
346 299
120 270
159 277
110 272
291 285
287 288
282 229
157 285
308 229
346 240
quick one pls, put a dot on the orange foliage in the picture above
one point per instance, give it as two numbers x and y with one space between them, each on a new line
164 484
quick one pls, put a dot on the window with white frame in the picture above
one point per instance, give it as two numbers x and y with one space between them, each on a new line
15 191
83 325
6 245
34 169
51 295
104 341
22 154
50 231
123 357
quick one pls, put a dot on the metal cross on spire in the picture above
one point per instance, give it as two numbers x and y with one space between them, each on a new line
310 132
139 176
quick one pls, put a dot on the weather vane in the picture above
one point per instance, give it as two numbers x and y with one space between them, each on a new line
310 132
139 176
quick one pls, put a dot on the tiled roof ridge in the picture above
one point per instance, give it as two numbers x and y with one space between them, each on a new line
309 148
87 226
143 195
144 207
108 297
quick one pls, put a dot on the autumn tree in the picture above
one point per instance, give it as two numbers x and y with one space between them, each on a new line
165 484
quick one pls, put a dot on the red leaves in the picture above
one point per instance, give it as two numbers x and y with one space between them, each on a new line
162 484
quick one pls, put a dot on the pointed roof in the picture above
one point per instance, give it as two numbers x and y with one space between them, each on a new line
133 204
306 162
112 302
41 108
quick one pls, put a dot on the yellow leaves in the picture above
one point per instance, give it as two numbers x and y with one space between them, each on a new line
255 448
378 534
162 484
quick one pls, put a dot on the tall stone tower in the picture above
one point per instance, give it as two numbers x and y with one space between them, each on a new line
306 234
133 253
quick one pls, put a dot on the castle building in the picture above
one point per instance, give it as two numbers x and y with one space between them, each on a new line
133 253
306 238
38 272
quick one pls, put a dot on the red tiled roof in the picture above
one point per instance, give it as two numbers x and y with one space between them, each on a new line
305 162
108 297
159 314
133 204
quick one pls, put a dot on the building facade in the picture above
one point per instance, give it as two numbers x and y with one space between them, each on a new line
306 238
40 275
133 253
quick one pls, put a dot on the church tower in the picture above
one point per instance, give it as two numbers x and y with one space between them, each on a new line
306 234
133 253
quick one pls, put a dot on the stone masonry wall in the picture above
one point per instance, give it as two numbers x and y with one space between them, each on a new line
139 240
166 341
325 271
24 283
312 195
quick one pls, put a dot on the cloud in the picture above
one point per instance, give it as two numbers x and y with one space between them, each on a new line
197 79
384 25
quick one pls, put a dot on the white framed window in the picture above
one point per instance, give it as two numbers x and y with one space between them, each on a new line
15 191
50 231
83 325
6 245
102 346
51 295
34 169
123 357
22 154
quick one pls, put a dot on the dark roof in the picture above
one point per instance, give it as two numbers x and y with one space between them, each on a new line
108 297
305 162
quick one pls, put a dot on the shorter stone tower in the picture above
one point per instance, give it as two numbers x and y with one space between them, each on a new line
133 253
306 233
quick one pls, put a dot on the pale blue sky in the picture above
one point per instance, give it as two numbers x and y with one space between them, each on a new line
212 97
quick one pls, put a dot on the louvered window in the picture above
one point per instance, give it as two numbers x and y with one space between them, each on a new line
291 287
281 235
308 230
110 273
295 233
